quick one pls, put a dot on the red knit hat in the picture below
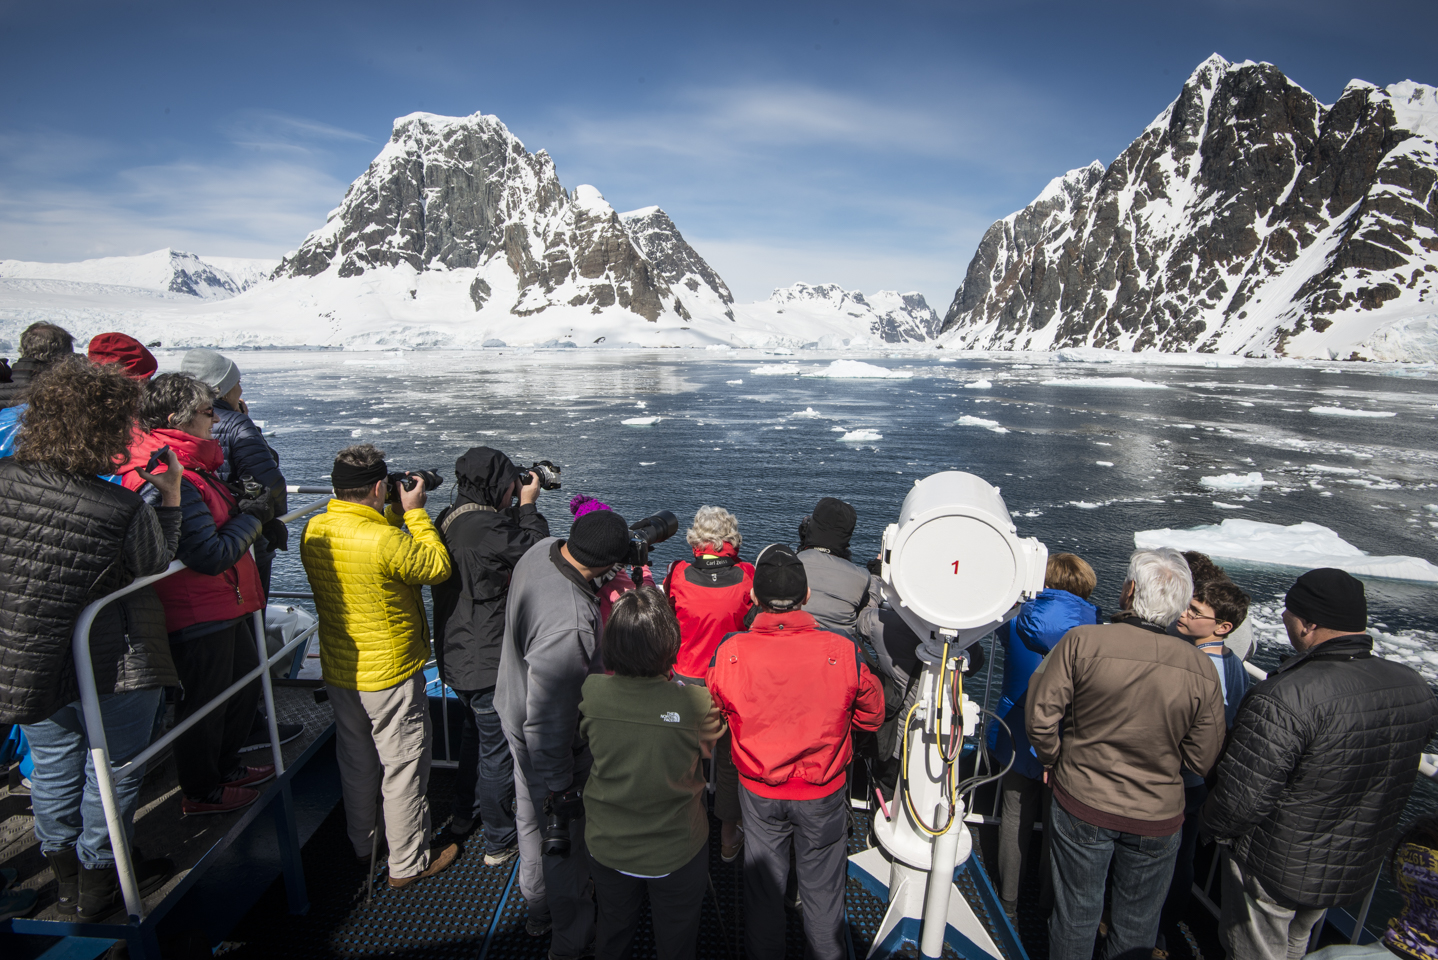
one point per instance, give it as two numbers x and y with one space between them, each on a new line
128 352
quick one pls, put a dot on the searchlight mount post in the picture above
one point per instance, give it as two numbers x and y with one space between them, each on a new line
954 569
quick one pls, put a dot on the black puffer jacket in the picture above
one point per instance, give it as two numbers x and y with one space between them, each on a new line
65 541
1319 765
484 545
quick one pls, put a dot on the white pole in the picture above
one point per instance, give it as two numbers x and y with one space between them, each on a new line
269 690
936 896
100 760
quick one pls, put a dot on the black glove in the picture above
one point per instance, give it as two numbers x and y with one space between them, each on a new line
569 805
261 507
276 534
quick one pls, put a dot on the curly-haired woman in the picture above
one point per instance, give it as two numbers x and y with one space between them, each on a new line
207 607
68 539
710 595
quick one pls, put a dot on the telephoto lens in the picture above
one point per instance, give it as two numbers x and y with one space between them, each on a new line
554 838
548 475
646 533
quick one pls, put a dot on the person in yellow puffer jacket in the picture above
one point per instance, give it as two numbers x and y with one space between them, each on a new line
367 575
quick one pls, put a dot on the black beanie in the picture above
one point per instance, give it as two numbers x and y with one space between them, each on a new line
830 526
599 539
780 581
1330 598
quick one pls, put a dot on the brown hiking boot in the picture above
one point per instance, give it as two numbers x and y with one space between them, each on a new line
438 863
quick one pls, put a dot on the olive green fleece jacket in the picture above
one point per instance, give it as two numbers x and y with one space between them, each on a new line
644 800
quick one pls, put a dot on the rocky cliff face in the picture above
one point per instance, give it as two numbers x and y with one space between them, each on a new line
463 194
690 277
1247 218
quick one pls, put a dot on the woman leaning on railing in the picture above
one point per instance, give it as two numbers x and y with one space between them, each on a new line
68 538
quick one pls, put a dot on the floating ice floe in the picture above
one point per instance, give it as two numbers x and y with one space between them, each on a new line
1084 504
979 385
968 421
1302 546
734 381
777 370
1237 481
808 413
1348 412
1227 506
1123 383
861 436
1103 463
640 421
859 370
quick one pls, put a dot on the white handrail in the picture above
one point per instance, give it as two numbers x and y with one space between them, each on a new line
1257 673
105 774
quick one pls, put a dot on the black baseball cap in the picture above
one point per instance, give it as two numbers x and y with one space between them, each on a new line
780 582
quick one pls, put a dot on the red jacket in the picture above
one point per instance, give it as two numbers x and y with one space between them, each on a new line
190 596
710 597
792 692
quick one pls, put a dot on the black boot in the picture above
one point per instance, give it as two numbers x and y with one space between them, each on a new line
99 893
66 867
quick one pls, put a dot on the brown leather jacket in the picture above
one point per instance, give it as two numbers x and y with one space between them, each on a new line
1133 705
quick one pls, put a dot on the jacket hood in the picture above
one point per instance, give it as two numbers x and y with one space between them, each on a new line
482 475
193 453
830 526
1046 618
727 550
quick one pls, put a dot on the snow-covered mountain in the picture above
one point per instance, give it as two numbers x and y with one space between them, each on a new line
831 317
168 271
462 195
695 283
1248 218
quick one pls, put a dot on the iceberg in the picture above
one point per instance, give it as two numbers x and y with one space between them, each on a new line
1237 481
640 421
777 370
968 421
979 385
1117 383
861 436
1302 546
859 370
1349 412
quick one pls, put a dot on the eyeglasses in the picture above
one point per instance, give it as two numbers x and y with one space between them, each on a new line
1192 614
208 412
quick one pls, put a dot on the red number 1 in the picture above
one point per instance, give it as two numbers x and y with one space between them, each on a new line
956 568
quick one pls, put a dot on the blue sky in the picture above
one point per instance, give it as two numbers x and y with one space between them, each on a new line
865 144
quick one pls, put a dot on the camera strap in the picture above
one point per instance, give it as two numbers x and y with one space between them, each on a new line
459 511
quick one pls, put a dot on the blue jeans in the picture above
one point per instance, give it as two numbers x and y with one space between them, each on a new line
1142 868
68 811
484 780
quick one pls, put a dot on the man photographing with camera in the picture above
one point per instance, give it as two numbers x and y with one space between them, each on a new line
367 575
486 536
551 643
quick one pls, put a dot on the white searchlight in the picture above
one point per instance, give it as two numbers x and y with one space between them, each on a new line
953 568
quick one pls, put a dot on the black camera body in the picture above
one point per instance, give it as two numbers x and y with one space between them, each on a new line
408 478
558 808
548 475
646 533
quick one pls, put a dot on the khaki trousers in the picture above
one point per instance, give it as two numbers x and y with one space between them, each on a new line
385 734
1255 926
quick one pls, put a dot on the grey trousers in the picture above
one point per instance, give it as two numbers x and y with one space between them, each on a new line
818 830
554 887
1255 926
1025 801
385 733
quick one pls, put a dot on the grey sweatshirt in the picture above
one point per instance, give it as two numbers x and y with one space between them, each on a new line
551 643
840 590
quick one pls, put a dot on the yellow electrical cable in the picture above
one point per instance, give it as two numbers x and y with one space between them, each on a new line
951 767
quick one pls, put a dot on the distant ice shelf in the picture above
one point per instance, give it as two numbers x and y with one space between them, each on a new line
1302 546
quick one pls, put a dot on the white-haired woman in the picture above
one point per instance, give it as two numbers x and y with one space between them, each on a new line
710 595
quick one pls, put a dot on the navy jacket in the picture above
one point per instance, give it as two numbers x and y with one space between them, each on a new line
1027 638
246 452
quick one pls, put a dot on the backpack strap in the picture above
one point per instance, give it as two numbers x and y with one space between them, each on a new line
460 511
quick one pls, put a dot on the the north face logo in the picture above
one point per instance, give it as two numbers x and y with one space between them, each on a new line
670 717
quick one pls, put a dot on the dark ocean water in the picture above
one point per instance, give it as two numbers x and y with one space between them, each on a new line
1081 465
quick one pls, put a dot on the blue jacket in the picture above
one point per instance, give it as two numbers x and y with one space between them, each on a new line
1040 625
10 427
1235 684
246 452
